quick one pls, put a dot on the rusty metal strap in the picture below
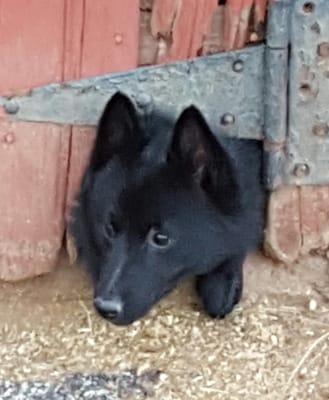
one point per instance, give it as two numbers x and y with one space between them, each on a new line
228 88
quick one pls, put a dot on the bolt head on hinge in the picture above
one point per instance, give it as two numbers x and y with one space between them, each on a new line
301 170
227 119
11 107
143 99
238 66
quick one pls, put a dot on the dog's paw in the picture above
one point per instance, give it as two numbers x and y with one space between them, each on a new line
221 289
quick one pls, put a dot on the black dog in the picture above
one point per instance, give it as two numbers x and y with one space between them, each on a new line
152 214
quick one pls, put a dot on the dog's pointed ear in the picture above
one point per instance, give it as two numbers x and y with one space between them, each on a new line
191 144
118 132
198 151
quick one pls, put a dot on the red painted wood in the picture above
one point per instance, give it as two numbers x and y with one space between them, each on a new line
214 41
173 22
314 217
31 43
182 27
243 31
110 36
44 41
202 25
283 239
260 11
73 25
163 15
33 173
237 21
81 145
232 20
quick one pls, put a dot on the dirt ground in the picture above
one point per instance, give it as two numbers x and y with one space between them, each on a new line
273 346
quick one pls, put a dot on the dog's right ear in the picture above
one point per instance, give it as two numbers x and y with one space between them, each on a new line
118 132
201 155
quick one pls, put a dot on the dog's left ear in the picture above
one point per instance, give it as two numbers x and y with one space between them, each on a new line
118 132
199 152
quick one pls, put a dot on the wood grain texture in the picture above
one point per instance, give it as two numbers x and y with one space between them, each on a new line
81 146
283 239
33 173
73 31
181 27
110 36
82 142
31 43
45 41
240 28
314 218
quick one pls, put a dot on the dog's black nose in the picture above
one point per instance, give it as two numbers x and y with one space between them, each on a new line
108 308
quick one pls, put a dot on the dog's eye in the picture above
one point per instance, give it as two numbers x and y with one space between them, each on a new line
158 239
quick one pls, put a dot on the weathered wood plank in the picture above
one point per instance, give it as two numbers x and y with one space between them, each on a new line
31 43
110 36
33 172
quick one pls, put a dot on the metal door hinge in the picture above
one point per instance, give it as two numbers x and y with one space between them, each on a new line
227 87
297 93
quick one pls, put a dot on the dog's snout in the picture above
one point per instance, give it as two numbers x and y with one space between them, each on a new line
109 308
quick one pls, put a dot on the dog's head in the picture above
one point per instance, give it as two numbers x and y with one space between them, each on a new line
143 226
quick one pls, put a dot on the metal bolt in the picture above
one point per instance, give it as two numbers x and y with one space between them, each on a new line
238 66
9 138
143 99
227 119
11 107
308 7
323 49
321 130
301 170
142 76
118 38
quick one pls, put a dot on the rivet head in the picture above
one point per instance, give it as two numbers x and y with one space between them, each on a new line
11 107
301 170
308 7
227 119
9 138
238 66
143 99
142 76
323 49
118 38
321 130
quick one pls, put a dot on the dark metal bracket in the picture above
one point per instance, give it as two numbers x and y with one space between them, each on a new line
297 93
228 88
307 149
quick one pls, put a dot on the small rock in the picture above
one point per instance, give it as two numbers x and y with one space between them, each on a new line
274 340
312 305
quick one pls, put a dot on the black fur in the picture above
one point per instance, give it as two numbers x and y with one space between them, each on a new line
162 203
